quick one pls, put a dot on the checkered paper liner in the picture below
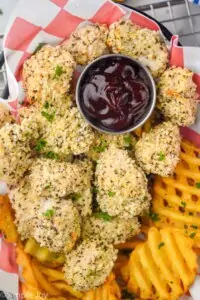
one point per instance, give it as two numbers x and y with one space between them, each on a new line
51 22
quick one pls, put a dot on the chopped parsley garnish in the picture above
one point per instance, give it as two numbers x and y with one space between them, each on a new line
48 116
101 148
75 196
51 155
183 204
154 216
194 226
111 194
127 141
49 213
46 105
185 226
40 145
58 71
101 215
39 47
197 185
192 235
161 156
94 190
47 186
161 245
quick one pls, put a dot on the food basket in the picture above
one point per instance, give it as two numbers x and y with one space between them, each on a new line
27 28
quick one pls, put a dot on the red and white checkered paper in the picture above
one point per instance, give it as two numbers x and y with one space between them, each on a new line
52 21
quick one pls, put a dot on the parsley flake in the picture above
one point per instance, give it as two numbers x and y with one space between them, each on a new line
74 196
49 213
154 216
48 116
111 194
161 156
40 145
46 105
39 47
197 185
51 155
47 186
161 245
101 215
58 71
101 148
192 235
190 213
183 204
127 142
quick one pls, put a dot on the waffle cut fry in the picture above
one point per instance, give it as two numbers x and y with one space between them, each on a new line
176 200
163 267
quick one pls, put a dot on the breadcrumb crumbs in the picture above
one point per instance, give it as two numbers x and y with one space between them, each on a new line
121 184
69 134
87 43
177 97
143 44
102 141
25 204
15 153
51 178
89 264
56 224
113 231
47 74
158 151
5 115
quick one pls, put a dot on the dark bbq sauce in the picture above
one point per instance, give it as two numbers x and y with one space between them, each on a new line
115 93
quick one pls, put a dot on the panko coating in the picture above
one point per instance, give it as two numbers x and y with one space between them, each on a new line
51 178
53 222
69 134
56 224
158 151
102 141
122 185
87 43
177 97
142 44
5 115
25 204
14 153
113 230
89 264
47 74
57 108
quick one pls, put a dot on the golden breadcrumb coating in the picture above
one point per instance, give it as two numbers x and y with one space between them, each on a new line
142 44
89 264
177 97
158 151
121 184
47 74
87 43
113 230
